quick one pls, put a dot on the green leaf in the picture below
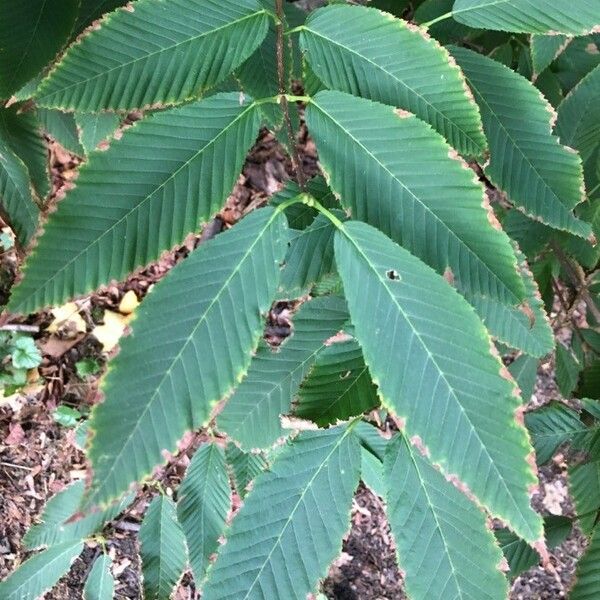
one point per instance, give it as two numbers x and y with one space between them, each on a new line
128 207
31 34
258 75
367 53
309 257
63 128
244 466
91 10
551 426
430 356
526 161
589 384
203 502
301 215
16 197
587 581
185 327
447 30
337 387
578 17
568 368
584 485
155 55
66 416
526 328
520 555
21 130
291 525
524 372
25 354
578 124
87 367
162 548
95 128
380 164
40 573
371 472
581 56
545 49
252 415
371 439
100 584
61 522
443 544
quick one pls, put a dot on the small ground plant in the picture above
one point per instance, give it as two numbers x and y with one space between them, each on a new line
458 201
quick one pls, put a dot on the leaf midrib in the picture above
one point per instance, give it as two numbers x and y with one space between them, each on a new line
430 503
435 217
277 541
177 357
141 203
526 159
190 40
445 119
451 390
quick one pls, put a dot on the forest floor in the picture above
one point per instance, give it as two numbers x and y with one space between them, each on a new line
38 457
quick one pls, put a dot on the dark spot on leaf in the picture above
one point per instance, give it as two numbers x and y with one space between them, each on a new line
393 275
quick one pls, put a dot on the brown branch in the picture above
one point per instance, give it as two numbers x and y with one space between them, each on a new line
296 162
577 280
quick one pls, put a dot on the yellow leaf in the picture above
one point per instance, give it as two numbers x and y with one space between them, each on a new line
128 303
67 319
109 333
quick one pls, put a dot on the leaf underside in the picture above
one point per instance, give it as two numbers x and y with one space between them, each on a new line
204 318
430 356
291 525
442 540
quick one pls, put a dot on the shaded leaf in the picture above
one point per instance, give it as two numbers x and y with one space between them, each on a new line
186 48
252 415
282 552
244 466
22 132
337 387
162 548
31 34
202 505
526 161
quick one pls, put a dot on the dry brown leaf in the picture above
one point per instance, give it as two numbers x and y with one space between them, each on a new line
67 318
